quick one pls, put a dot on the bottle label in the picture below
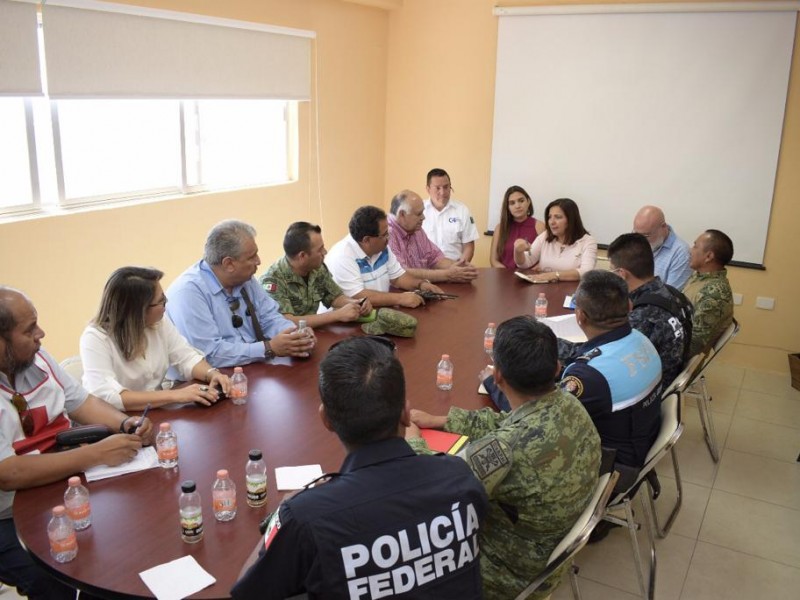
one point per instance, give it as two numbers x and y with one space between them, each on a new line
238 391
444 378
224 503
64 544
257 492
168 452
79 512
192 525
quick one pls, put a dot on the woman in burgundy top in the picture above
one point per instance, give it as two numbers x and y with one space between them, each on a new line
516 222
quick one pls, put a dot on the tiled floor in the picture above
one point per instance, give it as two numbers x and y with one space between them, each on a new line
738 532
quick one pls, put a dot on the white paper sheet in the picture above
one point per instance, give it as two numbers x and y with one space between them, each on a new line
565 327
295 478
177 579
146 458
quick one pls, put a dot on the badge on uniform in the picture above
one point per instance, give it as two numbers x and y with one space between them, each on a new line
573 385
270 286
272 529
488 459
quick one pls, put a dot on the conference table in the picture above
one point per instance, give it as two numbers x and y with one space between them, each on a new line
135 522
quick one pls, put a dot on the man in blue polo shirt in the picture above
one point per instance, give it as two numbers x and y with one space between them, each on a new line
365 267
670 253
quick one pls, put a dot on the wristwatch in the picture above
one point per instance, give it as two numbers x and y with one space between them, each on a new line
269 353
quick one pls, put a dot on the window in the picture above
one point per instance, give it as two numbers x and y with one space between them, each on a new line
17 189
95 151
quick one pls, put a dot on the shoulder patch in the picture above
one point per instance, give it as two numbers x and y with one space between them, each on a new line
272 529
573 385
488 459
270 286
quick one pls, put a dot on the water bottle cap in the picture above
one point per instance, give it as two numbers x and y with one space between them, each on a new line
165 427
445 357
74 480
492 325
59 511
541 295
237 369
222 474
255 454
188 486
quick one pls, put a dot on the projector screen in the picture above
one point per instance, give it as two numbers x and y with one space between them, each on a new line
681 110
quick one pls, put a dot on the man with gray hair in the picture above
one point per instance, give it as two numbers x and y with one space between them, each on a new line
413 248
222 310
670 253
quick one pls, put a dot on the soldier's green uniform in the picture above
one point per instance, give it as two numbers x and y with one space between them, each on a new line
712 298
539 465
294 294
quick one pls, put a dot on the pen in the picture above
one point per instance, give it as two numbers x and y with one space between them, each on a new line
141 419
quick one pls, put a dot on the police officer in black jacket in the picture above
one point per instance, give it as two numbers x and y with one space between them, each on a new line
391 522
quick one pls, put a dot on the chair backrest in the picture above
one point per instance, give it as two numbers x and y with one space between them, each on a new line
577 537
74 367
685 377
725 337
671 429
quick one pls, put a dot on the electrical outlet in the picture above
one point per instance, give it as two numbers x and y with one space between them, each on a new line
737 299
765 303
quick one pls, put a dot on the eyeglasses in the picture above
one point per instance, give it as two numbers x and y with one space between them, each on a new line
24 412
385 236
162 302
236 320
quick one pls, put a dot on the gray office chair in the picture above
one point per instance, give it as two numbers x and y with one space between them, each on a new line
699 390
668 435
576 538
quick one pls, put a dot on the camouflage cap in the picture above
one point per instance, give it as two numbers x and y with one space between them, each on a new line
391 322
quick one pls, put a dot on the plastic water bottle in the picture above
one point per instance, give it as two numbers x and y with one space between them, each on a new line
444 373
167 446
191 513
256 477
238 386
76 500
60 531
223 494
540 307
301 326
488 339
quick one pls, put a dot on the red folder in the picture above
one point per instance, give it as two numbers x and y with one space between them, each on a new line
443 441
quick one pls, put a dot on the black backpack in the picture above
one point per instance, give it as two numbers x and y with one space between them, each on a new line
679 307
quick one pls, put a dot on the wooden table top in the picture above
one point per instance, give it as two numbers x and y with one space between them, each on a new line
135 522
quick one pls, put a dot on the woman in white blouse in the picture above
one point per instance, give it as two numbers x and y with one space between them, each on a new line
565 252
128 347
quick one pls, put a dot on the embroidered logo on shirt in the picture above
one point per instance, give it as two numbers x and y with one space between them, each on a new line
272 529
270 286
573 385
488 459
452 220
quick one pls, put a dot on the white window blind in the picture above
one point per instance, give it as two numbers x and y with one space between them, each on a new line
102 50
19 50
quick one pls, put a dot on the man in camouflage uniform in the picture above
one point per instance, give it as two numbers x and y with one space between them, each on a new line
665 324
539 463
708 289
299 281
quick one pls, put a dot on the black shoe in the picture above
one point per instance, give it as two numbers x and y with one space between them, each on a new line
601 530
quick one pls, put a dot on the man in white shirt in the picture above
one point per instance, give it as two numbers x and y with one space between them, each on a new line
448 222
364 266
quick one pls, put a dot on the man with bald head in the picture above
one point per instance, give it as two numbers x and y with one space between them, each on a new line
670 253
37 400
414 249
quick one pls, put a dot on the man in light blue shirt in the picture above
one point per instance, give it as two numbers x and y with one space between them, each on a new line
670 253
222 310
